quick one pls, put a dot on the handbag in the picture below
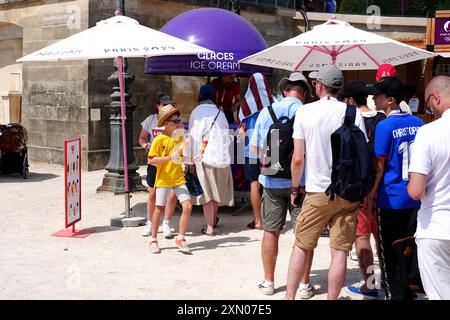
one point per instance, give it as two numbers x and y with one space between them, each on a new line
192 183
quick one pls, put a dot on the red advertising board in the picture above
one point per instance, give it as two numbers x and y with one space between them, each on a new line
72 178
72 190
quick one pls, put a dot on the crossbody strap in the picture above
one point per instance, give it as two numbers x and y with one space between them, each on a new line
272 114
212 125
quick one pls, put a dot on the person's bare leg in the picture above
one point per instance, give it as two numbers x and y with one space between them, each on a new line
159 211
255 198
208 211
297 268
336 274
216 210
184 219
151 203
306 275
170 206
269 253
365 256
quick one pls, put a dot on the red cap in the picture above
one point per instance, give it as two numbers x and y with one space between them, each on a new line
386 70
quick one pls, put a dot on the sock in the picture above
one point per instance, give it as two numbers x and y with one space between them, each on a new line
166 222
304 286
153 239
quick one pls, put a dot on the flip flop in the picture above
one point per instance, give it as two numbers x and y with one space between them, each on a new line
203 230
252 225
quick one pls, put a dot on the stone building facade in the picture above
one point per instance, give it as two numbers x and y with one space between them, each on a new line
62 100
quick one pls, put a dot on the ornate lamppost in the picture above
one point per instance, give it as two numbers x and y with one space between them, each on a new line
114 179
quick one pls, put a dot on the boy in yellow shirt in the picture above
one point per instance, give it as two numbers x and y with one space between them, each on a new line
165 153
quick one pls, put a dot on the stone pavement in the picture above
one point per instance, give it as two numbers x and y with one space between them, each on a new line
115 263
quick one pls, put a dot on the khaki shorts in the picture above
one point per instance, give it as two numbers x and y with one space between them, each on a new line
274 209
319 211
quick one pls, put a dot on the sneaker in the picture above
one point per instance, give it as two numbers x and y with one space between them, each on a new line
166 230
266 288
182 245
307 293
147 229
355 290
352 255
154 248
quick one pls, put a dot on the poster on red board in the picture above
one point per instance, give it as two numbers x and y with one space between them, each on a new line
72 164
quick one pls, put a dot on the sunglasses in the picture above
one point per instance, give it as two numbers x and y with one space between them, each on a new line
176 121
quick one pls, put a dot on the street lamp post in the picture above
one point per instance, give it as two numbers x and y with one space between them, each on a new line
114 179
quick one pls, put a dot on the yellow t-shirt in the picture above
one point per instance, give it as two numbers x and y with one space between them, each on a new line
168 174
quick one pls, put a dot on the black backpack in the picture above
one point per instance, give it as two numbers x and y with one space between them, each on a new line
277 163
371 124
353 172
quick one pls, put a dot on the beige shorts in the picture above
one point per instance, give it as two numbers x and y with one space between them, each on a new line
319 211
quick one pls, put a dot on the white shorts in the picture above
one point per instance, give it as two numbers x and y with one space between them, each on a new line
434 265
181 192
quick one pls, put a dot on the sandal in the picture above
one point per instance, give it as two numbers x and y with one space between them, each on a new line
154 248
203 230
252 225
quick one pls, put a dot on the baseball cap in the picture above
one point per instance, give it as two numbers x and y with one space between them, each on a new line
164 99
390 86
294 77
207 92
386 70
330 75
354 88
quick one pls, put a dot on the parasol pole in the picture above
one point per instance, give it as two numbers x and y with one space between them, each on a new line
124 135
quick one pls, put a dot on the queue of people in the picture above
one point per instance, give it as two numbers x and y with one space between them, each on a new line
410 163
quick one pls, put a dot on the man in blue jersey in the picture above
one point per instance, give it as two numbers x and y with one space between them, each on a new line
394 139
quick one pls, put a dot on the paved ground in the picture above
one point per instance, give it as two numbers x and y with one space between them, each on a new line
115 263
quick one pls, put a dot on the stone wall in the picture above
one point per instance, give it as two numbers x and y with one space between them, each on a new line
62 100
54 106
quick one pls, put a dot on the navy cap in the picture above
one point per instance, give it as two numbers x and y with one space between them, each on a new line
390 86
207 92
353 89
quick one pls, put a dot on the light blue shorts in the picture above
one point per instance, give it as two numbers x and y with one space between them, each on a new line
181 192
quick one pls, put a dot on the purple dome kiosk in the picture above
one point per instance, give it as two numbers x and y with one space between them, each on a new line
229 35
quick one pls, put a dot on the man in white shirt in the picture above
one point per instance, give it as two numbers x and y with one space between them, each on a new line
313 126
429 180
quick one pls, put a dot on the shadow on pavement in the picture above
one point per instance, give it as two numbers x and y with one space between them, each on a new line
32 177
103 229
219 243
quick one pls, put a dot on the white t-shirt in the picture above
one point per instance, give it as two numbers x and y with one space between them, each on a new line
431 157
149 124
217 152
314 123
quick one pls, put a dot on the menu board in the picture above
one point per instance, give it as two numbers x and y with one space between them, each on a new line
72 164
